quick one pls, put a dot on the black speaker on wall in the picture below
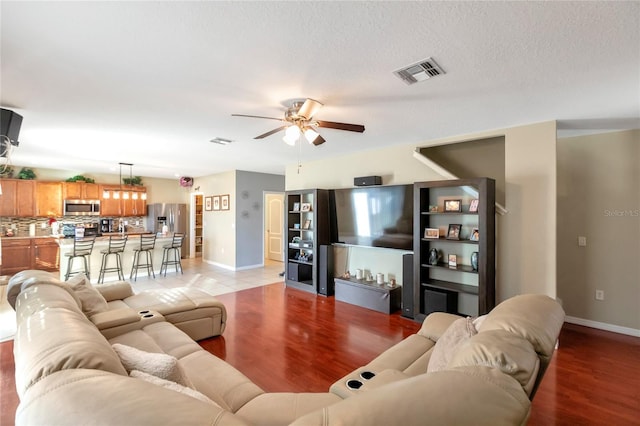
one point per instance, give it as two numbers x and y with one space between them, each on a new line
325 271
407 285
367 181
10 124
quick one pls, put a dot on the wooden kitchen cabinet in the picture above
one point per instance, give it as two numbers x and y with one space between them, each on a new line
120 206
109 206
16 254
48 199
134 206
46 254
17 199
80 191
20 254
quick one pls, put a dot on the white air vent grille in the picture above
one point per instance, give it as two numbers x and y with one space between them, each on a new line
221 141
419 71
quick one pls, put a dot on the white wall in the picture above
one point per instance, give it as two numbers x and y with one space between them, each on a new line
526 234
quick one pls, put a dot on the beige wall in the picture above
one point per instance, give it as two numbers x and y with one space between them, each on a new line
599 198
219 227
526 234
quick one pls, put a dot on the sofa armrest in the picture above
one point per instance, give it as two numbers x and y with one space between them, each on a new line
114 318
116 291
463 396
435 324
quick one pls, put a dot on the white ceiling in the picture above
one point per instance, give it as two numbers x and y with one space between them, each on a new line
151 83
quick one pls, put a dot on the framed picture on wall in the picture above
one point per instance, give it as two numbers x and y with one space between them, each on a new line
216 202
224 202
208 203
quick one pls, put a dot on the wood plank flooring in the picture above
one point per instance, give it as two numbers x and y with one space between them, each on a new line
288 340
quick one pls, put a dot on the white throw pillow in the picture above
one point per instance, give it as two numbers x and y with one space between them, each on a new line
160 365
171 385
91 299
444 349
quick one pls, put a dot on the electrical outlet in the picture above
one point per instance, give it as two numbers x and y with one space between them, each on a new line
582 241
599 294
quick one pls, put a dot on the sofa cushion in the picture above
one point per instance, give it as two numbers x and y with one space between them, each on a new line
91 299
502 350
53 334
157 364
25 279
115 291
168 384
446 346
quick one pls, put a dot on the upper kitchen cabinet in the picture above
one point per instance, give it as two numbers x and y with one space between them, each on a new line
135 202
48 199
109 205
80 191
17 199
116 200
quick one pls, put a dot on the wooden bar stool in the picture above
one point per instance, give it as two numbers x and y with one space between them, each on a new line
82 248
171 253
116 246
147 243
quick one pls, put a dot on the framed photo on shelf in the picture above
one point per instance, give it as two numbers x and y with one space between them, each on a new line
307 224
475 235
306 207
296 207
433 209
452 206
473 207
224 202
454 232
453 261
431 232
216 202
208 203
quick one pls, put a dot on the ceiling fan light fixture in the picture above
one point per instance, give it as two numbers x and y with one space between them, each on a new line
291 135
310 135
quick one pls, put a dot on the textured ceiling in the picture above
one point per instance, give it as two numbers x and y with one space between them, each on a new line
151 83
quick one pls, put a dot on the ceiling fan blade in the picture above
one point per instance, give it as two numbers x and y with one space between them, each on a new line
256 116
340 126
309 108
318 141
264 135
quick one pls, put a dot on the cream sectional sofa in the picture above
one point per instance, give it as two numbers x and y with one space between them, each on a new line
67 372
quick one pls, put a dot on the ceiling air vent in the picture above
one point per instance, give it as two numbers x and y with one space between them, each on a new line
221 141
419 71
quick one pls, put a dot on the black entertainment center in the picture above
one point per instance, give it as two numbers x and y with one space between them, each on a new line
392 217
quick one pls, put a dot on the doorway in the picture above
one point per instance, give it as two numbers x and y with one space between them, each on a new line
274 226
197 225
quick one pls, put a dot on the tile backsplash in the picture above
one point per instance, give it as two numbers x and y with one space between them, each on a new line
20 225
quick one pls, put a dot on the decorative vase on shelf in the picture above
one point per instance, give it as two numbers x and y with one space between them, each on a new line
474 260
433 256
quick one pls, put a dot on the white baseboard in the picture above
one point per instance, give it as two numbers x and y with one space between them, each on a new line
603 326
231 268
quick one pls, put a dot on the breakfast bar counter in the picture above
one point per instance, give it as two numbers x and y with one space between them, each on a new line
95 260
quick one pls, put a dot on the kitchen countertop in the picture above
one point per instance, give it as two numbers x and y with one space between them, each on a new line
60 236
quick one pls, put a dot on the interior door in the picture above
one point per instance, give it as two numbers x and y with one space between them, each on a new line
274 221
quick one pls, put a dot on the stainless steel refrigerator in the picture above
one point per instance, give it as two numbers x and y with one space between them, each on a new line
174 216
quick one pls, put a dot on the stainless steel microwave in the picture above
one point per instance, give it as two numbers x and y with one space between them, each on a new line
81 207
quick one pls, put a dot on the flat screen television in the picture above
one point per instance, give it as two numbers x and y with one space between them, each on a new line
374 216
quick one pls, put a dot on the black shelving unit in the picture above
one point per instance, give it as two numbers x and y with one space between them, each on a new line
307 225
440 286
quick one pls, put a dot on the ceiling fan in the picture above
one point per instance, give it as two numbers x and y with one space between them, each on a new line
298 120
